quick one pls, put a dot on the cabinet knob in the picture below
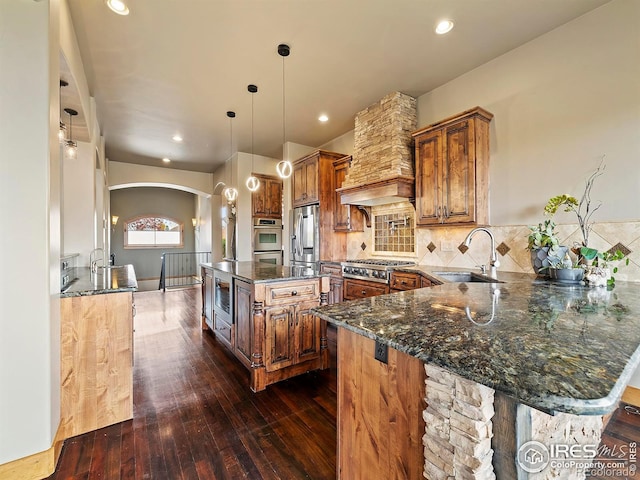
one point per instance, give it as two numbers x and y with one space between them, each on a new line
364 292
294 293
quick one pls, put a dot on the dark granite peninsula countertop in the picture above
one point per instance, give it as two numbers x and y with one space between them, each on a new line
257 272
553 347
110 279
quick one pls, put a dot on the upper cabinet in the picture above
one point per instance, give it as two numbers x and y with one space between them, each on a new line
304 181
452 170
346 218
266 202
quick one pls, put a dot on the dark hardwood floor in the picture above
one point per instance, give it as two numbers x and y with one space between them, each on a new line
195 417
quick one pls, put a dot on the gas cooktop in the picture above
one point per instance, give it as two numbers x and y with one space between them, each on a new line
381 262
373 269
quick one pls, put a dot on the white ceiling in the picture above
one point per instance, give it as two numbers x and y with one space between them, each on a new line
177 66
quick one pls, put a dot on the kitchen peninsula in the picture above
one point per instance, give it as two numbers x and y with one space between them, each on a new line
261 312
96 349
503 363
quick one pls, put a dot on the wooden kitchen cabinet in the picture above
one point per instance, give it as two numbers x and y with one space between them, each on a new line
292 337
336 281
304 181
400 281
276 336
96 362
266 202
354 288
346 218
243 298
313 183
452 170
207 298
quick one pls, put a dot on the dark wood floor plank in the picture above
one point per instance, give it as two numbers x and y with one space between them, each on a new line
195 417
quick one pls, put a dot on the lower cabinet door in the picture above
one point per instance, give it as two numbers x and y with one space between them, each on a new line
307 333
279 341
243 306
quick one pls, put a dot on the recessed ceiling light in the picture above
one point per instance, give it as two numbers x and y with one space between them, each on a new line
323 118
444 26
118 6
166 160
177 138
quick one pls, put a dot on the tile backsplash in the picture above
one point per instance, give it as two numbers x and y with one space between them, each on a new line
442 246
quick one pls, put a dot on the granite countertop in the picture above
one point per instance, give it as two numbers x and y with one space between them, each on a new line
554 347
257 272
106 280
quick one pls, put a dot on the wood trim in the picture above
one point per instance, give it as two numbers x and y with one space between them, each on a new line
631 395
36 466
476 111
378 192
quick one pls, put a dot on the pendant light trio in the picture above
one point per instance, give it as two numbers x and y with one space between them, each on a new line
284 167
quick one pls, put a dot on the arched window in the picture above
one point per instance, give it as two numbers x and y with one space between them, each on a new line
149 231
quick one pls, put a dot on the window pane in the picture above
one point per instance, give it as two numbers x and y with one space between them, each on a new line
153 232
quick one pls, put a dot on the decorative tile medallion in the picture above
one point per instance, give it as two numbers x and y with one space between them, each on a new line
621 247
503 249
363 246
431 247
463 248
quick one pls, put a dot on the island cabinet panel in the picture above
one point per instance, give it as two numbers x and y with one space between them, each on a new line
279 338
207 299
96 362
380 423
243 307
452 170
276 336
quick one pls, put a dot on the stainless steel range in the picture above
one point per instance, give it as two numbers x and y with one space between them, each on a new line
372 269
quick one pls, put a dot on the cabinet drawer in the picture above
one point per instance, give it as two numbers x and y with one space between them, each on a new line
222 329
361 289
405 281
334 270
292 292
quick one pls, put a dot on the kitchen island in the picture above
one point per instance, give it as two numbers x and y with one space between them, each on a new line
261 312
503 363
96 349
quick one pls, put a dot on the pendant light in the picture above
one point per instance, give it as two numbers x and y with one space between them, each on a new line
252 182
284 167
62 133
230 193
71 147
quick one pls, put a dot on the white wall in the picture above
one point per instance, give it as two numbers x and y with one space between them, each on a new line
560 102
78 203
245 163
30 204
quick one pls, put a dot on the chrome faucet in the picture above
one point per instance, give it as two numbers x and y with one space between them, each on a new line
493 261
97 254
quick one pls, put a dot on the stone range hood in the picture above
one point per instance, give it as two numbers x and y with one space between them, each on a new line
381 170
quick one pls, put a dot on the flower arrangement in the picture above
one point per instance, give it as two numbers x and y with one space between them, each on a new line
593 261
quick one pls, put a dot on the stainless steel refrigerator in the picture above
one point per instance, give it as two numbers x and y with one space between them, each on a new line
305 237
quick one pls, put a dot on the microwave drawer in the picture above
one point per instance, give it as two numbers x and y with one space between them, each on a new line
289 292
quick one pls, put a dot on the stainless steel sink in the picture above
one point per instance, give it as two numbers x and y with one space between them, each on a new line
466 277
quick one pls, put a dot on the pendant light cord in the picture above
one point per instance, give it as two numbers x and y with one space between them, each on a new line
284 136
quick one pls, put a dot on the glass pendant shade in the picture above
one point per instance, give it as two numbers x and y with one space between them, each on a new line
62 133
252 183
284 168
71 148
230 194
